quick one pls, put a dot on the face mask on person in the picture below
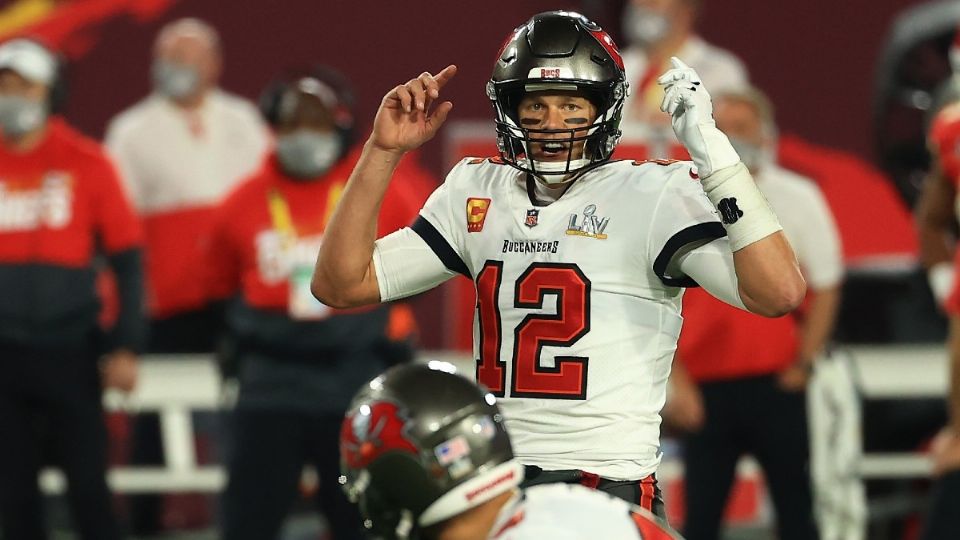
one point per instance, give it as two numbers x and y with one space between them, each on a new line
643 26
306 154
754 156
173 80
19 115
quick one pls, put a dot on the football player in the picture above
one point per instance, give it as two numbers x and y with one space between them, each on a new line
425 454
579 261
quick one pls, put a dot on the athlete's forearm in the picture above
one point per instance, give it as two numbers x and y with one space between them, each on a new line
768 276
344 274
818 326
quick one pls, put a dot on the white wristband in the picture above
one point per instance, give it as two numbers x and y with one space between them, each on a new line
940 278
744 211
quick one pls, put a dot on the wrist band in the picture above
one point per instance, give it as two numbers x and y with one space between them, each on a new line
744 211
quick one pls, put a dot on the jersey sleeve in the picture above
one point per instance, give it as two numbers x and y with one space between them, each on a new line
442 223
117 225
682 219
818 242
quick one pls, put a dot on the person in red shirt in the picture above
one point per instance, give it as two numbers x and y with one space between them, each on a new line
61 209
937 208
299 361
937 213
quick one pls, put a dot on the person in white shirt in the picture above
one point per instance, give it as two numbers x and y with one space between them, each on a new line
180 150
655 31
425 454
731 365
579 262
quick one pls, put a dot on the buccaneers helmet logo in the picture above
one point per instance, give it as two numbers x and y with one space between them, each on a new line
371 430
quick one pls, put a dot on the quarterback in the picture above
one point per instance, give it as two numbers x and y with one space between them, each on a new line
579 261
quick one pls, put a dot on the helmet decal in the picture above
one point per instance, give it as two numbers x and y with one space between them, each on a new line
372 430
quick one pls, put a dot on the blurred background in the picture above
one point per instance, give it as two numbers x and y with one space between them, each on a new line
854 85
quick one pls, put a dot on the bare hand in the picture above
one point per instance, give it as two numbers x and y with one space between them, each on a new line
119 370
404 120
794 378
945 451
685 408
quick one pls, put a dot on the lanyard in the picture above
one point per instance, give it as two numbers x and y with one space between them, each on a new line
281 219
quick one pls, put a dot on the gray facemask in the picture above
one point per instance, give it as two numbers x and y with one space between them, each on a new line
754 156
173 80
643 26
306 154
19 115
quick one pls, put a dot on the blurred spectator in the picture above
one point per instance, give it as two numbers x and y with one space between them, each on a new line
739 380
936 208
299 361
937 214
180 149
61 205
913 82
655 31
943 521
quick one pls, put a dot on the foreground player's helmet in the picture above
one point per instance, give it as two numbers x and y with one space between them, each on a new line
420 445
558 50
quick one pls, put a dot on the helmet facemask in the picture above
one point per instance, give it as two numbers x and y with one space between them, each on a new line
586 147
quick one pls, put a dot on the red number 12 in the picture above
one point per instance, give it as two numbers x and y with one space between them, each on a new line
568 379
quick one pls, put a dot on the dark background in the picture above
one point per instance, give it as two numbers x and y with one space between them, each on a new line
816 58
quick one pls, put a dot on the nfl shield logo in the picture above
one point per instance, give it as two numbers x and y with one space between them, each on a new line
532 216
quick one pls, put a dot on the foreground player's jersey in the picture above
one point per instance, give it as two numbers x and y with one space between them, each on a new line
562 511
578 309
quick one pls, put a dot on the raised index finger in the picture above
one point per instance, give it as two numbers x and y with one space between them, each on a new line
677 63
445 75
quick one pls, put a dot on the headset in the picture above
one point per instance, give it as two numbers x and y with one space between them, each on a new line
342 108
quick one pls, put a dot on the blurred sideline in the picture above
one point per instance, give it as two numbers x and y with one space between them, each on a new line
176 386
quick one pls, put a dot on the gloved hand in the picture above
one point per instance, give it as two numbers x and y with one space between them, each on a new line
688 103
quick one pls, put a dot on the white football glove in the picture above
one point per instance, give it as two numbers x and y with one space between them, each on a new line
688 103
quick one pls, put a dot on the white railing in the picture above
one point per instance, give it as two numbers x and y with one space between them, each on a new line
176 387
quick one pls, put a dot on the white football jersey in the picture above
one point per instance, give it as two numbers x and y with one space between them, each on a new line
578 314
570 512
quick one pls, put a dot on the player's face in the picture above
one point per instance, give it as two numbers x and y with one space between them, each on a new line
560 110
739 120
192 51
13 84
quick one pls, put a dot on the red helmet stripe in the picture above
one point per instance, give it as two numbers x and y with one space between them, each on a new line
610 46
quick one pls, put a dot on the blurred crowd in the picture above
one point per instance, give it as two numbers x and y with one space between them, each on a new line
194 227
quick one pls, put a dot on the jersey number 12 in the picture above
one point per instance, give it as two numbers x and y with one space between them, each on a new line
568 378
